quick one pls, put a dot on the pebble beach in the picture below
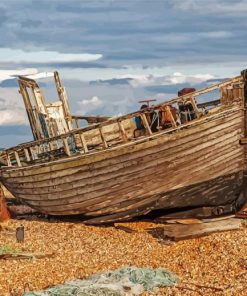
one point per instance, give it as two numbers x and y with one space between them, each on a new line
211 265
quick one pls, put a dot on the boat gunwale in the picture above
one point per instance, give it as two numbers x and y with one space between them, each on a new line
210 117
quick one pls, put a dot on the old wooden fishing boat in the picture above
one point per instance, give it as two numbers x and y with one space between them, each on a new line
176 155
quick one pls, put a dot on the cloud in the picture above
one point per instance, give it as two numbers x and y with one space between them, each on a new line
215 34
212 6
149 80
89 105
19 56
11 74
12 111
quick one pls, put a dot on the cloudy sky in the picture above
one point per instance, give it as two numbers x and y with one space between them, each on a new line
112 53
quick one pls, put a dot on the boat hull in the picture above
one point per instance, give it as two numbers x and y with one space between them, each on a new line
199 165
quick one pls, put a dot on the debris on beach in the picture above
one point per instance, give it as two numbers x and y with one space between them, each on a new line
4 214
182 231
121 282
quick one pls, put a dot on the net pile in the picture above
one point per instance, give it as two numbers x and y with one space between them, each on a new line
121 282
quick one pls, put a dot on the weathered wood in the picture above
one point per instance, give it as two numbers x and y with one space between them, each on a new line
223 113
64 99
117 190
182 232
83 142
122 132
208 104
146 124
197 163
77 122
145 168
187 139
91 119
18 255
198 114
8 160
66 146
17 158
243 141
27 155
173 122
103 138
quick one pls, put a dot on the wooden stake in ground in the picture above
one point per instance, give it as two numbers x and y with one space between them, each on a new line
4 214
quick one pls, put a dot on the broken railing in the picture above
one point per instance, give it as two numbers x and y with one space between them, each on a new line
29 153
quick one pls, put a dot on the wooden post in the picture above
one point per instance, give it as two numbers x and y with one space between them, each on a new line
192 100
66 146
77 122
168 110
8 160
17 159
83 142
122 131
27 154
103 138
145 123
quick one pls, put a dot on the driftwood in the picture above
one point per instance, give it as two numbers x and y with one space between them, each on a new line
178 232
124 228
15 256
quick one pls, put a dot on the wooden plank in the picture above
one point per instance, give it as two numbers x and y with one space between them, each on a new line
243 141
173 122
8 160
83 142
77 122
103 138
122 131
27 156
144 183
17 158
110 121
66 146
198 114
126 182
187 140
182 232
146 124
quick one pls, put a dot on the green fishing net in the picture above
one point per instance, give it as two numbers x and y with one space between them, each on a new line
121 282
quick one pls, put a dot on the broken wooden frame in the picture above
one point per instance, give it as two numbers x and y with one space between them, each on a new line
24 154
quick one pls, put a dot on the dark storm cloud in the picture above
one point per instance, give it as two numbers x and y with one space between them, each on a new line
146 33
160 32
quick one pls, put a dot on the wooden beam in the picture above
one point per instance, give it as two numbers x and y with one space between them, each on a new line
77 122
8 160
103 138
192 100
27 154
17 158
145 123
208 104
83 142
168 110
243 141
66 146
122 131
